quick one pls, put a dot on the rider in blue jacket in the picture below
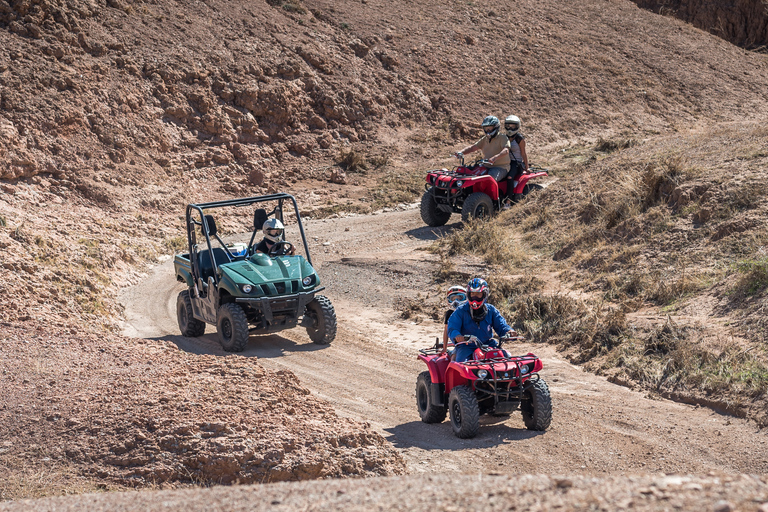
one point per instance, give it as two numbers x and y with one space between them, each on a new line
473 323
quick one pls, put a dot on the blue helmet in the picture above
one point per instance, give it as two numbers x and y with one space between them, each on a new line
477 285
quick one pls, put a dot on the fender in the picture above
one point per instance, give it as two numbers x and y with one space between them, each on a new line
486 185
522 180
183 274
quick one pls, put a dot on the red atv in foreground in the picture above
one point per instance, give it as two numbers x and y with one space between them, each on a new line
470 191
490 383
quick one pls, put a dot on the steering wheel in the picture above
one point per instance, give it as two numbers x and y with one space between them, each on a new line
281 248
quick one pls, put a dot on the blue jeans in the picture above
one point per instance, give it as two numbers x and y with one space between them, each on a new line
464 351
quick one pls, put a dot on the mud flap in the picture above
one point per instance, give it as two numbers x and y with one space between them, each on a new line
437 393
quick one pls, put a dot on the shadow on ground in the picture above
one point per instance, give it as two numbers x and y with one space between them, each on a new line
429 233
439 436
264 346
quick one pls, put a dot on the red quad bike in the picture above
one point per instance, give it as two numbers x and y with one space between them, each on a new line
489 383
468 190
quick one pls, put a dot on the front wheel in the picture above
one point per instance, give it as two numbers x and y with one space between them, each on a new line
323 327
188 324
233 327
465 412
429 412
536 406
477 206
430 214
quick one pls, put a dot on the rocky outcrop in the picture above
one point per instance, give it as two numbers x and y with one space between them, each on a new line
743 23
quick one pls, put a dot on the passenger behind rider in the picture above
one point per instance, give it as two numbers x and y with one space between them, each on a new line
475 321
457 295
516 148
494 148
273 231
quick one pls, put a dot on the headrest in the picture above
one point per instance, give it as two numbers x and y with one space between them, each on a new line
259 218
211 226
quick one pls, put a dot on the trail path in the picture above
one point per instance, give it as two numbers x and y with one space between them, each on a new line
369 372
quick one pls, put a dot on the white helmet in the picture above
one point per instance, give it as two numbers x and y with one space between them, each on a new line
491 126
273 230
512 125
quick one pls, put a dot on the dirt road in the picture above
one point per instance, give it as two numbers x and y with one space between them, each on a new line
369 372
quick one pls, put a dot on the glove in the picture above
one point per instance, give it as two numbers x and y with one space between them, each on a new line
459 155
474 339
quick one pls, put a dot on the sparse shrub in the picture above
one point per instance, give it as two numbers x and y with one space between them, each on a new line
176 244
379 161
609 146
352 161
3 221
489 240
294 8
747 196
753 276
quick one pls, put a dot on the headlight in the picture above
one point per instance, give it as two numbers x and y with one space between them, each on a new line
524 369
307 281
247 288
432 179
459 183
483 374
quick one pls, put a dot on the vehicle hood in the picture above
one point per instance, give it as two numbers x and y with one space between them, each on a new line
267 270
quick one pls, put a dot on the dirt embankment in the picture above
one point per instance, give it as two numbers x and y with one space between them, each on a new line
743 23
134 413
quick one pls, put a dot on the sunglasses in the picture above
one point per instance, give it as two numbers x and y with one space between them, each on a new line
274 232
511 126
489 130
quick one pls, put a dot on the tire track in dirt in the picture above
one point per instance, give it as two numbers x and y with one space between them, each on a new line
369 373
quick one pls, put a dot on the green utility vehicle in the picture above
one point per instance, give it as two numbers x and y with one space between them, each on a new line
243 291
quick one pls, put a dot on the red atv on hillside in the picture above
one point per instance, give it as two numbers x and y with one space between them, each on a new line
492 382
470 191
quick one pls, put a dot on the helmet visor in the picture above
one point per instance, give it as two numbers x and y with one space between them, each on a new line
476 296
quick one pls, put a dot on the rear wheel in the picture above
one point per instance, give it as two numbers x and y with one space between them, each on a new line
429 412
233 327
465 412
430 214
536 406
188 324
323 328
477 206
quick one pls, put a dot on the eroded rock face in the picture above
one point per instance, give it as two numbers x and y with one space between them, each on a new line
743 23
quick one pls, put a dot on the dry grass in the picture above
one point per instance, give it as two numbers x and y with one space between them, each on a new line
20 481
489 240
670 358
753 277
